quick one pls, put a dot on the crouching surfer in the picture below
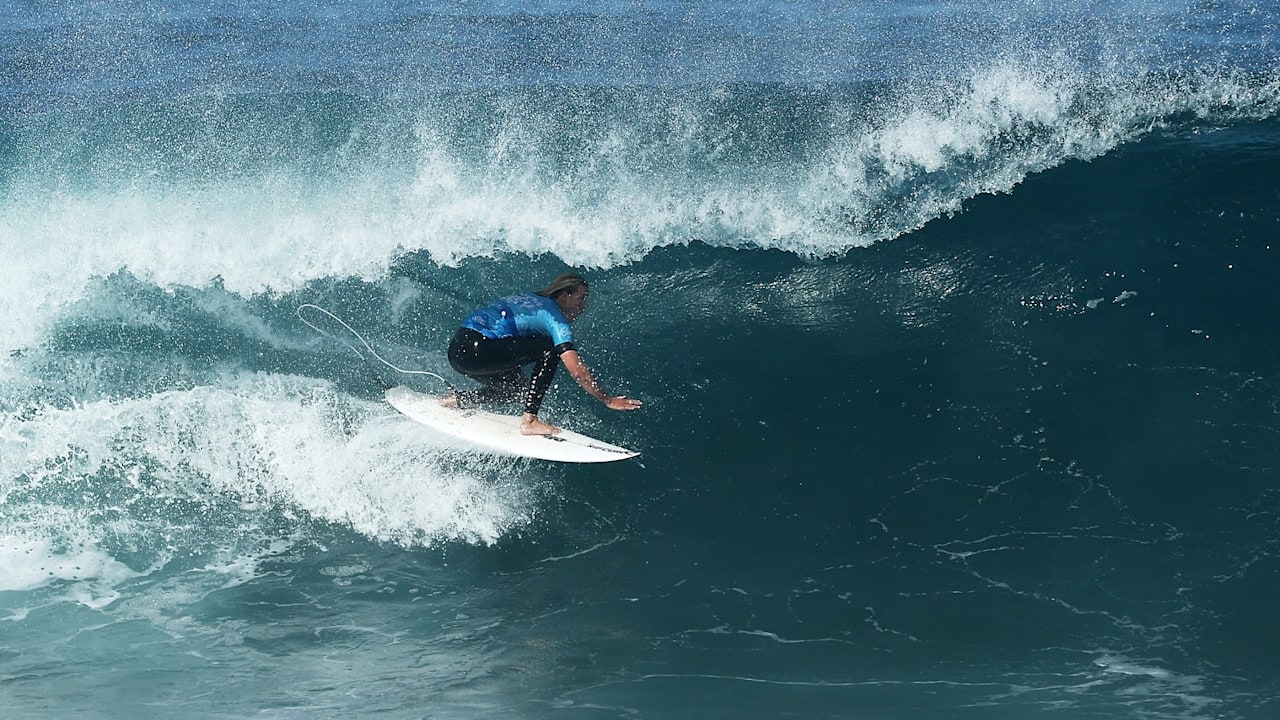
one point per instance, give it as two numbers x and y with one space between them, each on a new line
497 340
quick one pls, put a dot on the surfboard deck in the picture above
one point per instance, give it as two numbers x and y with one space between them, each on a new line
500 434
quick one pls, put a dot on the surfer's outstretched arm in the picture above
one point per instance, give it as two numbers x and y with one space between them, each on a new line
578 369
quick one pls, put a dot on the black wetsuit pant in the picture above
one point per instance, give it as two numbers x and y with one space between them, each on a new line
497 363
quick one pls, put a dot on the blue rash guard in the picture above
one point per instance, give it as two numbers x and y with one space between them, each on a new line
496 341
525 315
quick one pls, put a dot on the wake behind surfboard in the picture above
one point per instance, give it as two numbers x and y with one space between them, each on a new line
500 434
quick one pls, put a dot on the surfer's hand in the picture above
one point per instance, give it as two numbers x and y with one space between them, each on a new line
622 402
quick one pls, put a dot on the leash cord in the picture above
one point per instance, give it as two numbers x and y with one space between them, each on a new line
367 346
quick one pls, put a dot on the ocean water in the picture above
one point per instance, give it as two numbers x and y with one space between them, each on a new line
955 324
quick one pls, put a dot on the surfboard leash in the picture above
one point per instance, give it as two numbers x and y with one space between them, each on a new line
372 370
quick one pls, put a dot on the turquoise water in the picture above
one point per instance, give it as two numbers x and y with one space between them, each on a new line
954 323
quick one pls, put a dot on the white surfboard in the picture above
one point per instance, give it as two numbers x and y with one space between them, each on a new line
500 434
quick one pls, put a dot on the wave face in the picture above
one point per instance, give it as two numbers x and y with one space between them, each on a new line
954 326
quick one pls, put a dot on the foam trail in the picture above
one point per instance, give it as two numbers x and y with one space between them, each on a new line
256 444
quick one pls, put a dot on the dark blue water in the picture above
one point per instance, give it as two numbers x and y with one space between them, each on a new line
954 323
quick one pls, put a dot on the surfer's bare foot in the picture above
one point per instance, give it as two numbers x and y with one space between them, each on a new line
449 401
531 425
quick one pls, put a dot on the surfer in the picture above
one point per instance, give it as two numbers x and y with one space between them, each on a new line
497 340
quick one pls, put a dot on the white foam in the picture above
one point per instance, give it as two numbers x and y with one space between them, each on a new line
50 547
31 563
270 441
874 175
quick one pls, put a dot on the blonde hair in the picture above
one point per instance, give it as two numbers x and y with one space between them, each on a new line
564 282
